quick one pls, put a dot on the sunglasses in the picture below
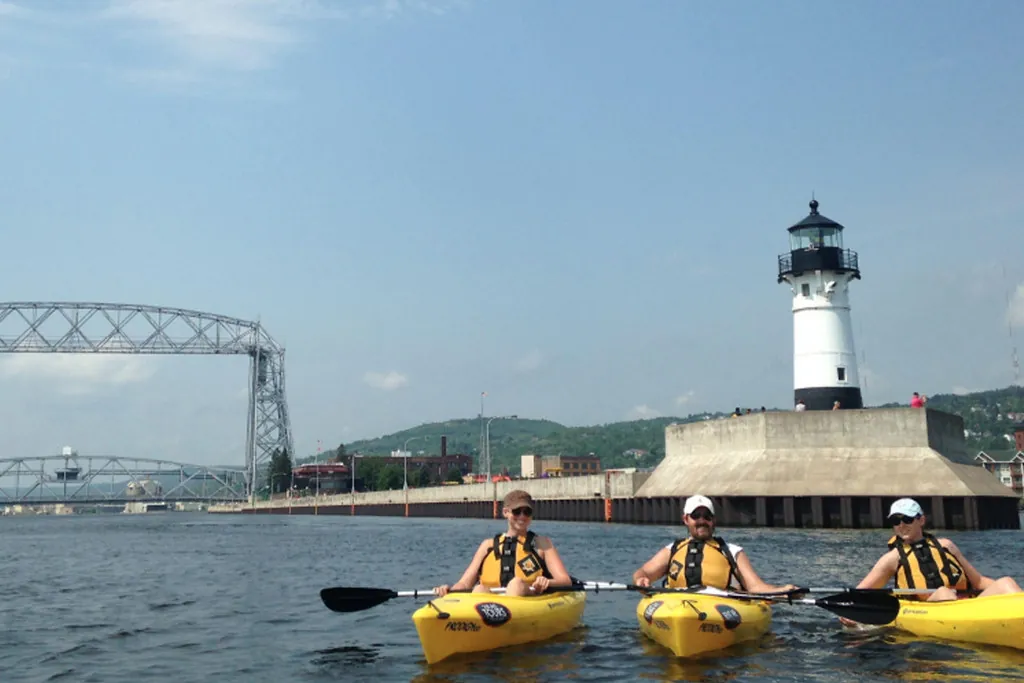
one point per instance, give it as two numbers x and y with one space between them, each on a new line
526 511
702 514
895 520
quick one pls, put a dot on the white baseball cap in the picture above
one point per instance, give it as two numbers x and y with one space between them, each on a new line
906 506
694 502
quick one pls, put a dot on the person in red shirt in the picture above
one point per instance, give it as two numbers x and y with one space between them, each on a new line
917 401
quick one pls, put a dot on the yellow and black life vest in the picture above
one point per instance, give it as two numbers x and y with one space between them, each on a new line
694 562
512 557
926 564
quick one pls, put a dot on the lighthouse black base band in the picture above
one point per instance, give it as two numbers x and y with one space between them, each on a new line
822 398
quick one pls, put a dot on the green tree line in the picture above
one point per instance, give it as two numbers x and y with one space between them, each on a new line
985 416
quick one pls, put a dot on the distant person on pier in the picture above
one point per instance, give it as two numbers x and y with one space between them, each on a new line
836 405
800 406
917 400
518 560
917 559
720 564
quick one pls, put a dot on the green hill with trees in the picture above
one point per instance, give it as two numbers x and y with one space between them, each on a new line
989 417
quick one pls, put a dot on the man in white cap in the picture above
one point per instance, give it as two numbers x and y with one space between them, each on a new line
917 559
703 559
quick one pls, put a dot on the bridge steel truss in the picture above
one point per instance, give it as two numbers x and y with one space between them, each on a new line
77 327
80 479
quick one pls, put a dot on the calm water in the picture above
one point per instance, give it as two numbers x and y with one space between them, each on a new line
195 597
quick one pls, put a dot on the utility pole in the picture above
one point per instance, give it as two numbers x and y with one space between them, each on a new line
480 460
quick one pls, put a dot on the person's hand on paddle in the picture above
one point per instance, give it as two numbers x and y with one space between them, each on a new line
641 581
848 622
441 591
540 584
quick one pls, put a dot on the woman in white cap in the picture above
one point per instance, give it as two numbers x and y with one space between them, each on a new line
703 559
917 559
519 560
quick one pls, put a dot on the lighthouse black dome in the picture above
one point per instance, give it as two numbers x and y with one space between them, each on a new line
816 220
816 243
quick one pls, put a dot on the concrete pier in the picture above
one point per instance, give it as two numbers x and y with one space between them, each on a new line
838 469
815 469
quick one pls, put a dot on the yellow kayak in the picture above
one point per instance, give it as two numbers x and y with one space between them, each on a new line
692 623
991 620
475 622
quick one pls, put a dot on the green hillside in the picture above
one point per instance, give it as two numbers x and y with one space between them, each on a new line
989 416
985 417
510 439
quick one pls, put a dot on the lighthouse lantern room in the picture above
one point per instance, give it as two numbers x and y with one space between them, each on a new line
819 271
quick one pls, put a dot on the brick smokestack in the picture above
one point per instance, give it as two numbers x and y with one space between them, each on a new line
444 446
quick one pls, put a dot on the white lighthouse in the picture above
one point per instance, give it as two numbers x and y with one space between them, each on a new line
819 271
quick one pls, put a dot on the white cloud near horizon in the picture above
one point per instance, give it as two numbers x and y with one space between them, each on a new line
684 399
386 381
79 373
643 412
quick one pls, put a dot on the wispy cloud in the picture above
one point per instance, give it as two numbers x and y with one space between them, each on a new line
78 373
181 43
392 8
530 362
684 399
225 34
1015 308
245 35
642 412
387 381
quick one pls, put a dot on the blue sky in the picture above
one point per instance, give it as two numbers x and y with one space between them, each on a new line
576 207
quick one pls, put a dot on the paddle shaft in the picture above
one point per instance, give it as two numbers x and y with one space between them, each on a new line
586 586
550 589
872 607
892 591
868 607
358 598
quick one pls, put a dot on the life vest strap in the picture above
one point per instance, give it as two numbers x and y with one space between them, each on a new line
505 553
695 558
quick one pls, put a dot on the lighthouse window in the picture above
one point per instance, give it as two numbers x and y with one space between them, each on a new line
805 289
830 237
841 372
815 238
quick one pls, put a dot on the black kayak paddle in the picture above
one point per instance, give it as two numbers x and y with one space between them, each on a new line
355 598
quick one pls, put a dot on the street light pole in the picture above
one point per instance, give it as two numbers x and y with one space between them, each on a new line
405 471
352 477
405 457
316 494
487 439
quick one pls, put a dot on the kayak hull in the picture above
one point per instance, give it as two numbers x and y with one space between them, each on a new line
673 620
990 620
477 622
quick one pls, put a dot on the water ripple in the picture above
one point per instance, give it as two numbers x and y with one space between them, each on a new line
190 597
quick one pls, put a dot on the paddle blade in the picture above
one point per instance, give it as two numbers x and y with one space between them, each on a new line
867 607
353 599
